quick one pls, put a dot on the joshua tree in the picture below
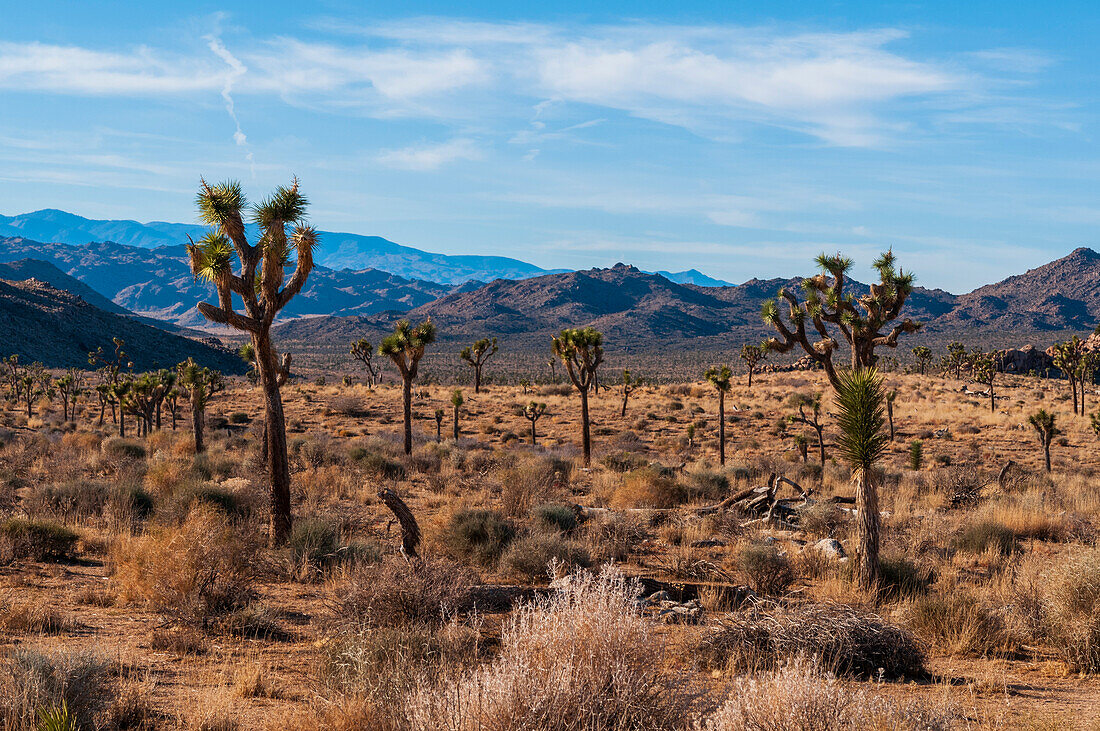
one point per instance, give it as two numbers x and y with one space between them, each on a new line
172 403
112 371
813 420
1043 423
119 393
248 355
476 355
923 355
1094 422
828 304
263 288
13 373
627 386
720 376
405 347
861 443
802 444
553 364
956 358
456 406
1068 358
532 412
363 352
33 385
439 414
581 350
890 397
526 384
1086 374
70 386
753 355
983 367
199 385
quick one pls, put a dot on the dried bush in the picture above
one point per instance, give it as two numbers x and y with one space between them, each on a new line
530 556
562 518
847 640
397 593
802 695
68 501
122 451
984 536
583 659
958 623
37 540
648 488
765 569
201 570
33 684
1072 608
532 481
478 536
346 405
615 536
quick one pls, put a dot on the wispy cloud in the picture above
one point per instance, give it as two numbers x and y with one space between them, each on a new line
236 71
432 156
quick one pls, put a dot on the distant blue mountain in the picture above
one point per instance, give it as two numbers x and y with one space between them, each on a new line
338 250
696 277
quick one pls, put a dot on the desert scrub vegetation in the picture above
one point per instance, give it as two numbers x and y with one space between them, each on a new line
38 540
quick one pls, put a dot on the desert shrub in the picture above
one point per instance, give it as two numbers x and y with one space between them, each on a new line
131 501
615 536
75 687
123 450
37 540
584 659
803 695
847 640
194 573
377 465
707 485
426 459
67 501
957 622
32 617
625 461
529 482
1072 609
648 488
313 544
531 555
984 536
478 536
901 577
765 569
223 500
822 519
239 417
398 594
555 516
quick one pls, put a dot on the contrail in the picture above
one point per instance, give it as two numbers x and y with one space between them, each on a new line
236 70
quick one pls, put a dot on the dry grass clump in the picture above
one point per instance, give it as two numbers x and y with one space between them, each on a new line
533 480
1072 609
957 622
648 488
802 695
615 536
18 616
397 593
765 568
77 500
583 659
846 639
192 573
77 689
37 540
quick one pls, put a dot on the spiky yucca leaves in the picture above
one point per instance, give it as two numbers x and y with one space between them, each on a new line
827 304
1042 421
405 346
581 350
533 412
261 284
860 400
753 355
719 377
476 355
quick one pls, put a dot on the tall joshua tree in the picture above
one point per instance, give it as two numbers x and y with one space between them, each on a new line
923 354
456 407
476 355
533 412
1068 357
720 376
363 352
198 384
262 286
956 358
627 386
983 366
862 442
860 320
1042 421
405 347
753 355
581 350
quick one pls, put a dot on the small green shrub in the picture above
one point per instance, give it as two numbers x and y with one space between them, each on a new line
479 536
239 417
916 454
123 450
377 465
765 569
38 540
900 577
314 543
531 555
556 516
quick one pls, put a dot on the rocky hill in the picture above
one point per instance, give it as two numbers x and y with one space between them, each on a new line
44 271
42 323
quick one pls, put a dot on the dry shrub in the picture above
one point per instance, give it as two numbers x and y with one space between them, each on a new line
765 569
478 536
846 639
583 659
614 536
76 687
192 573
802 695
397 593
346 405
70 501
532 481
179 640
530 556
958 623
37 540
1072 608
32 617
648 489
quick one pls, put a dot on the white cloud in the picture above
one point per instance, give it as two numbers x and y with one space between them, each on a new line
431 157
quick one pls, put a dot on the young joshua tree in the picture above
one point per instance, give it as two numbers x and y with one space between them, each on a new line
720 376
812 420
828 305
956 358
753 355
172 403
891 396
627 386
581 350
983 367
199 385
262 286
1042 422
923 355
532 412
456 407
476 355
1086 374
862 442
405 347
70 386
363 352
1068 357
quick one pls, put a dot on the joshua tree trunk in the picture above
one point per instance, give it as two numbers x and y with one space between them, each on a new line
439 431
198 423
121 422
820 443
1073 388
722 426
532 433
625 397
455 435
586 438
1046 452
477 379
751 369
406 396
890 417
278 464
868 520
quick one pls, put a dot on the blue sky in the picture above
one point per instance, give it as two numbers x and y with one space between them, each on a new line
737 138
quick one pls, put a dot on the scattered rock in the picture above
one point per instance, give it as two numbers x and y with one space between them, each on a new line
830 547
